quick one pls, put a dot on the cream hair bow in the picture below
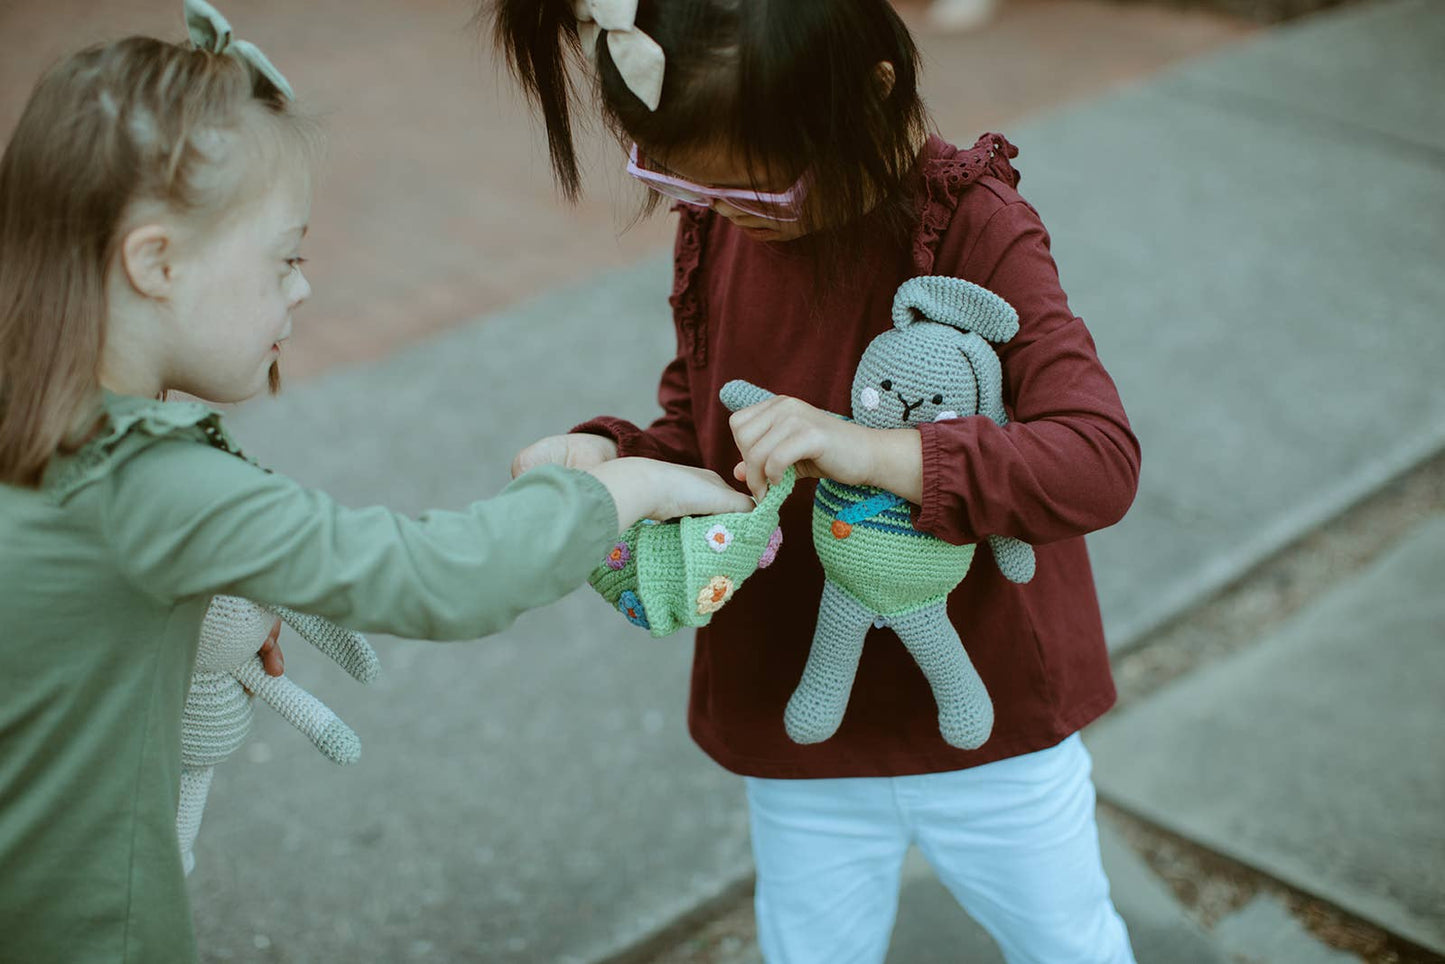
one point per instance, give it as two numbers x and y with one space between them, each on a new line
210 31
638 57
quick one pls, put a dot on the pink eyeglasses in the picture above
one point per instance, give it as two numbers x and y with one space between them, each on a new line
771 207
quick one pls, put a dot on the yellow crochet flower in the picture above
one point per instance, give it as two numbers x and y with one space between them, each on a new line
714 595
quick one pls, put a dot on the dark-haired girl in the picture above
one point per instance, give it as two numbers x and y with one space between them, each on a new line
793 135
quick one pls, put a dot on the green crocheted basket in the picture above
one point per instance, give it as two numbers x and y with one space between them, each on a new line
663 576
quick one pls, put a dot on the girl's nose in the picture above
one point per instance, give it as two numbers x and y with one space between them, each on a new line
301 290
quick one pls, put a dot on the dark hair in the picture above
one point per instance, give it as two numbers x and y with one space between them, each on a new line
134 120
792 85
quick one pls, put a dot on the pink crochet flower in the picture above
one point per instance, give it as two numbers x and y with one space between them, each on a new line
618 557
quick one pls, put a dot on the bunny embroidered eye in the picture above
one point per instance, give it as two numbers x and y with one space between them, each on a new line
886 384
938 399
868 397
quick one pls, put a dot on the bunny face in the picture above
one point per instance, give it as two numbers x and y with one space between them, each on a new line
923 372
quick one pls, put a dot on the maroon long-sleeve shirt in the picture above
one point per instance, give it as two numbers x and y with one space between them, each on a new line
1065 464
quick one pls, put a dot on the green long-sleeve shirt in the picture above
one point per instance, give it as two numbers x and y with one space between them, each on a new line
106 571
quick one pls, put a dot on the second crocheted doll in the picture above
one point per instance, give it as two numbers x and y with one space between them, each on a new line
217 715
936 363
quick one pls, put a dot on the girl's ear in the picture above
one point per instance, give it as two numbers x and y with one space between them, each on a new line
145 257
885 76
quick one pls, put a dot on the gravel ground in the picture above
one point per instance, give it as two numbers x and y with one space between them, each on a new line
1207 885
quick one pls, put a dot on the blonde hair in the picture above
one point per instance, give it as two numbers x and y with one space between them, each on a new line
137 120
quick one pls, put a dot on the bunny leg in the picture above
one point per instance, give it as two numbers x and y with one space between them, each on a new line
302 710
350 650
815 710
1015 558
965 711
195 785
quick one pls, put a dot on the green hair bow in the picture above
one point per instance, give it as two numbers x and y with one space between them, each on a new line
211 31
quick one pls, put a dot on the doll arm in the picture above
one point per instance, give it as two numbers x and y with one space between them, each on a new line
739 394
302 710
350 650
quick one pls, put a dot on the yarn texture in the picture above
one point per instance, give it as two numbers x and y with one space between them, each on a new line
663 576
936 363
217 715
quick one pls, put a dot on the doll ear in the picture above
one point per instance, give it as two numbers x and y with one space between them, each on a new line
957 303
349 649
987 376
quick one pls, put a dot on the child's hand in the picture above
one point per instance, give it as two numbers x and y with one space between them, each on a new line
785 431
576 451
647 489
270 652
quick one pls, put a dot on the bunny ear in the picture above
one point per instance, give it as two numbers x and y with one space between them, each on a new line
957 303
350 650
987 373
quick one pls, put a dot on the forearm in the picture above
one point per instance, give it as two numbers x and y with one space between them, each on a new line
229 528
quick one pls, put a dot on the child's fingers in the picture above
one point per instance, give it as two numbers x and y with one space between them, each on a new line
762 457
270 652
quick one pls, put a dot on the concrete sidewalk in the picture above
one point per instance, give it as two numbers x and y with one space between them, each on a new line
1255 242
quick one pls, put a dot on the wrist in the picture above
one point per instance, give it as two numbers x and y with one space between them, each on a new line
895 457
631 489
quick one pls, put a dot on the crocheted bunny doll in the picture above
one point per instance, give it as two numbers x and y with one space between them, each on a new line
934 364
217 715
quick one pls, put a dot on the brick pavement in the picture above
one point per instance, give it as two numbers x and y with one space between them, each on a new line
436 206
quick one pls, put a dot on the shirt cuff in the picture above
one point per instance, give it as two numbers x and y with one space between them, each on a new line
933 516
627 436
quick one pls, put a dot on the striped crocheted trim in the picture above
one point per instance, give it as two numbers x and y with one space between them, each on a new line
867 507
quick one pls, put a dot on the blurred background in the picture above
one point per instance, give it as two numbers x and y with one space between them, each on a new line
1247 201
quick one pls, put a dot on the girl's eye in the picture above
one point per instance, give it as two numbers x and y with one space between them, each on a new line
886 384
938 399
295 263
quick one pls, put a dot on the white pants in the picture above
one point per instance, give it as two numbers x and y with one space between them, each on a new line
1015 841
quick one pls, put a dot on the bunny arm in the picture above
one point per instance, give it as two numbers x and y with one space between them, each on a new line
739 394
302 710
349 649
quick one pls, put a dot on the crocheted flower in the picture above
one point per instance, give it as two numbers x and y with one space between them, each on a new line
714 595
630 606
719 537
775 542
618 557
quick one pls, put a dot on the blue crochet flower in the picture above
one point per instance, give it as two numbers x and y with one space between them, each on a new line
630 606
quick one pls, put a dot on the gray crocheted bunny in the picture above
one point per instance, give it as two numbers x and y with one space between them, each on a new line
217 715
934 364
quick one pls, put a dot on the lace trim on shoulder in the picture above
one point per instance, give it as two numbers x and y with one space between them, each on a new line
128 417
944 181
686 300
